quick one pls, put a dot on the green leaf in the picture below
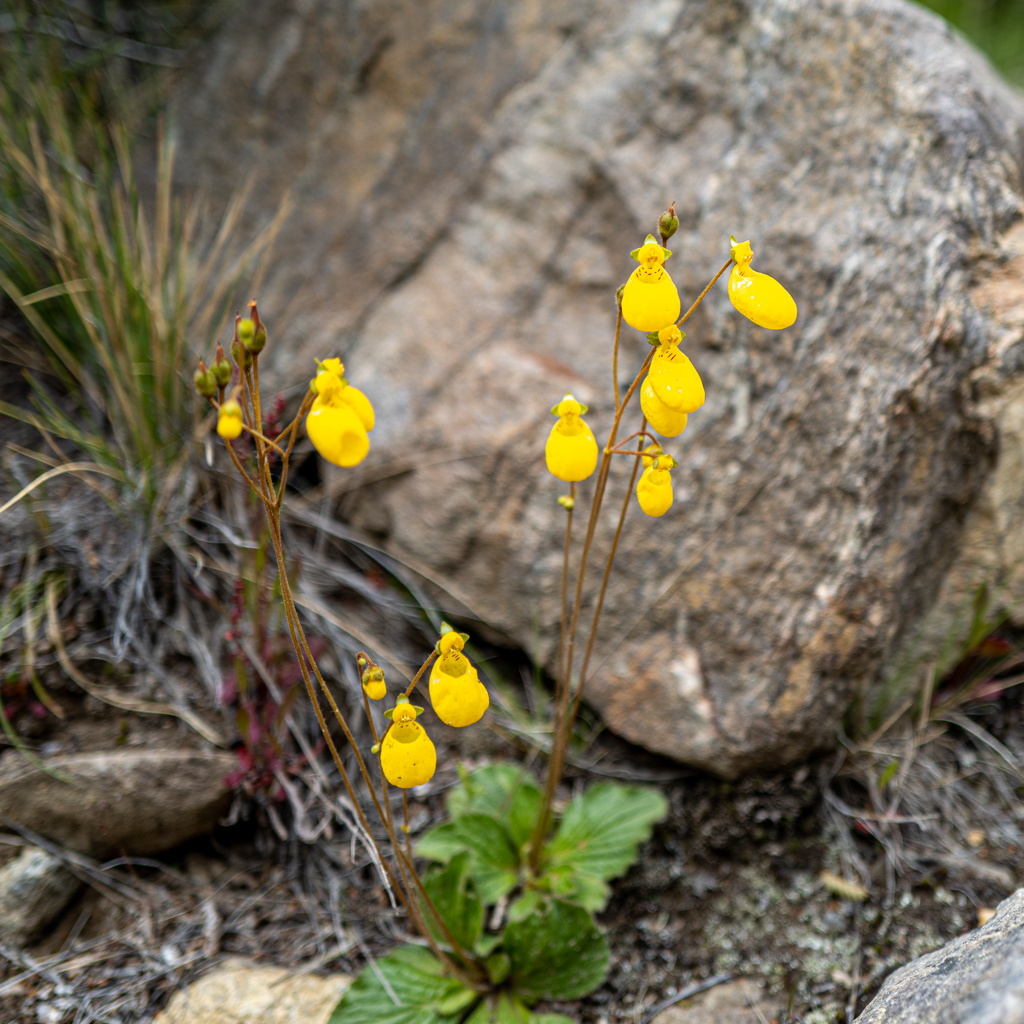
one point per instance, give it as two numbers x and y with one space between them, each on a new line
529 903
598 836
417 991
550 1018
495 863
523 812
559 954
440 843
500 1009
489 790
455 901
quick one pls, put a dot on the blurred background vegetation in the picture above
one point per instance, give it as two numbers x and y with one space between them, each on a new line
994 26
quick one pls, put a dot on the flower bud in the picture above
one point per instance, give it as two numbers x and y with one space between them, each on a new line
241 355
668 224
204 381
221 368
566 502
246 333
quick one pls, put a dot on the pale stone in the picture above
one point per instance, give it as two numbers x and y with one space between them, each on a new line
240 992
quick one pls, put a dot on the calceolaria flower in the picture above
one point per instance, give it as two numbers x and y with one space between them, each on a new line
229 420
373 680
341 417
757 296
571 451
456 693
654 488
672 386
407 755
650 300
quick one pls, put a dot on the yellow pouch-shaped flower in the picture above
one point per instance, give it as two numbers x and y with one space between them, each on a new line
229 420
456 693
672 376
654 488
757 296
374 684
337 433
340 418
650 300
407 756
571 451
664 420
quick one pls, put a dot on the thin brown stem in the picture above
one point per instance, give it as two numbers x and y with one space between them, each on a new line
560 678
604 582
369 716
307 401
241 469
405 824
560 740
615 356
556 761
619 450
423 668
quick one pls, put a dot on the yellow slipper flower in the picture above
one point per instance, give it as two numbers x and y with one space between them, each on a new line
757 296
229 420
672 376
340 417
571 451
650 300
373 682
407 756
665 420
654 488
456 693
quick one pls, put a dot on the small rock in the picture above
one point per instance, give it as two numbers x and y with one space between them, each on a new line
34 888
735 1002
240 992
135 802
975 979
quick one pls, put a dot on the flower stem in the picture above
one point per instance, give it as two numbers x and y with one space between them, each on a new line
423 668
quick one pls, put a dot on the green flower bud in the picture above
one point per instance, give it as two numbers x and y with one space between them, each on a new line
246 333
241 355
668 224
259 340
221 370
204 381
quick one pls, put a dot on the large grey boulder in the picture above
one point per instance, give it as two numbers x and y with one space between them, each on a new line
976 979
469 179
